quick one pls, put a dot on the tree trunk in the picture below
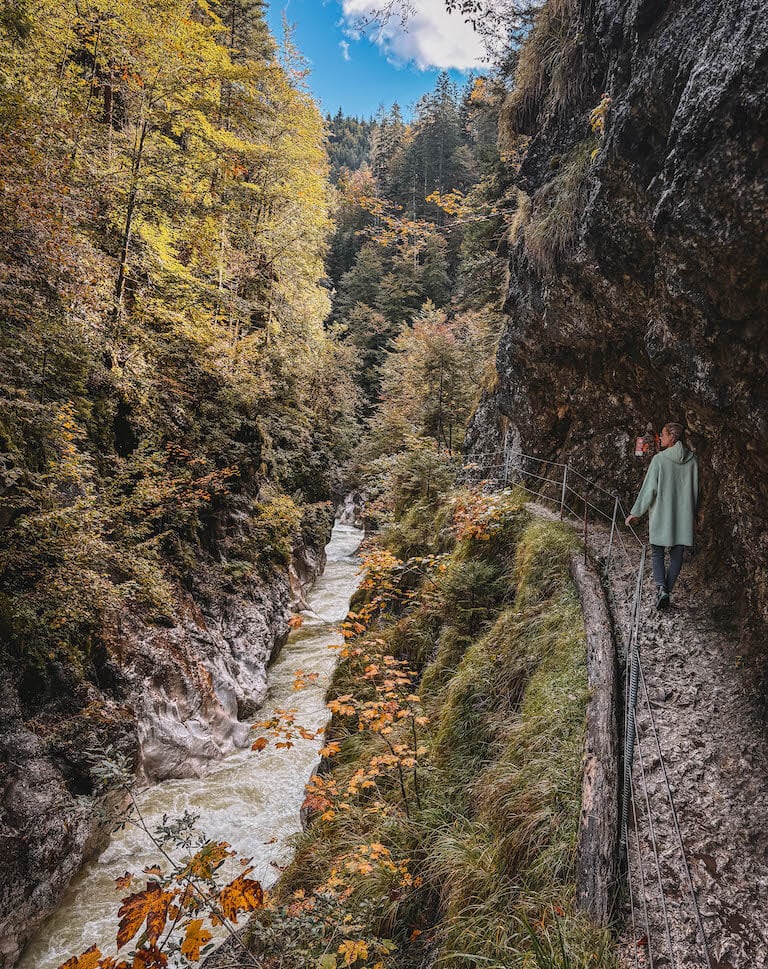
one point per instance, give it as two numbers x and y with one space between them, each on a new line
439 430
128 226
598 845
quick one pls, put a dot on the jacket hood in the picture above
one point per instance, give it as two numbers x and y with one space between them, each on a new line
678 453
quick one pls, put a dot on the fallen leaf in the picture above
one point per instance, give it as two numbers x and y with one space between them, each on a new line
194 939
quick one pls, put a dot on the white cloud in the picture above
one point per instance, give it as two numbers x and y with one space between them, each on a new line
431 37
345 50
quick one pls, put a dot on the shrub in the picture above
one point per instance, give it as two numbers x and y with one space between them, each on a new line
480 867
274 524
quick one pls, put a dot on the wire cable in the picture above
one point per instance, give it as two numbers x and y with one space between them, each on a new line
694 900
652 831
643 895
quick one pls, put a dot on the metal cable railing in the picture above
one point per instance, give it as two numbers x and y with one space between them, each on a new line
558 484
687 868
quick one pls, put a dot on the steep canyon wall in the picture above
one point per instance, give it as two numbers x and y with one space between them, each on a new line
638 258
170 698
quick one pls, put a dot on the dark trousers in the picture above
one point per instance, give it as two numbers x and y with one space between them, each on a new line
663 575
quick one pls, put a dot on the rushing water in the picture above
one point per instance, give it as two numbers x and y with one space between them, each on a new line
252 800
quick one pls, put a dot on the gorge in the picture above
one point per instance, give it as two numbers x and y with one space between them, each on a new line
232 329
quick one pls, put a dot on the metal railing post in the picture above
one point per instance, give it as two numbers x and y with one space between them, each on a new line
562 495
613 529
633 660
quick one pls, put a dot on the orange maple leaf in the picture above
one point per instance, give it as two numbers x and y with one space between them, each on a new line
195 938
123 881
88 960
151 958
259 744
241 895
203 864
150 905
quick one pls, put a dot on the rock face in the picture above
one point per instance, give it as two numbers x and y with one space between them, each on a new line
639 258
171 699
193 686
307 563
47 825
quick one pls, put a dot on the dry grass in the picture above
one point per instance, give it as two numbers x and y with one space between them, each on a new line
504 684
520 219
547 76
551 229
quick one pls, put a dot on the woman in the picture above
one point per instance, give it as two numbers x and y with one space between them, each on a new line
669 493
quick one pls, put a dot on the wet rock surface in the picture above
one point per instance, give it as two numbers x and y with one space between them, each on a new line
654 308
47 824
192 684
350 510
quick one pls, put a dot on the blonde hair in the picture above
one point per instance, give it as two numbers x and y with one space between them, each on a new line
675 429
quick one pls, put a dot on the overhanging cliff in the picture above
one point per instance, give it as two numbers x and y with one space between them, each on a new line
638 274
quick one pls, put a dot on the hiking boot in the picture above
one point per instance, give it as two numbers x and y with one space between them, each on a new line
662 602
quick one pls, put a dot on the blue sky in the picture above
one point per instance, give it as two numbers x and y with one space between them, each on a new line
357 72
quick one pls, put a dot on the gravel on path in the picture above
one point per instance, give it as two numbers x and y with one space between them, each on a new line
702 700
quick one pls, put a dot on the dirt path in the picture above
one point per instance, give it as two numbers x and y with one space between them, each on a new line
706 712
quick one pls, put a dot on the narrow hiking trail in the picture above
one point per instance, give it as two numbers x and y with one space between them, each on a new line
714 749
697 699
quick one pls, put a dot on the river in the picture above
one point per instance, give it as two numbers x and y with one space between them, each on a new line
252 800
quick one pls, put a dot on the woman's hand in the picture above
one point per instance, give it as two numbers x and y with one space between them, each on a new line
631 518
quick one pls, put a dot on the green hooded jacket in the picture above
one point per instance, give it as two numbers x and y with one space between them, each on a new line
670 493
